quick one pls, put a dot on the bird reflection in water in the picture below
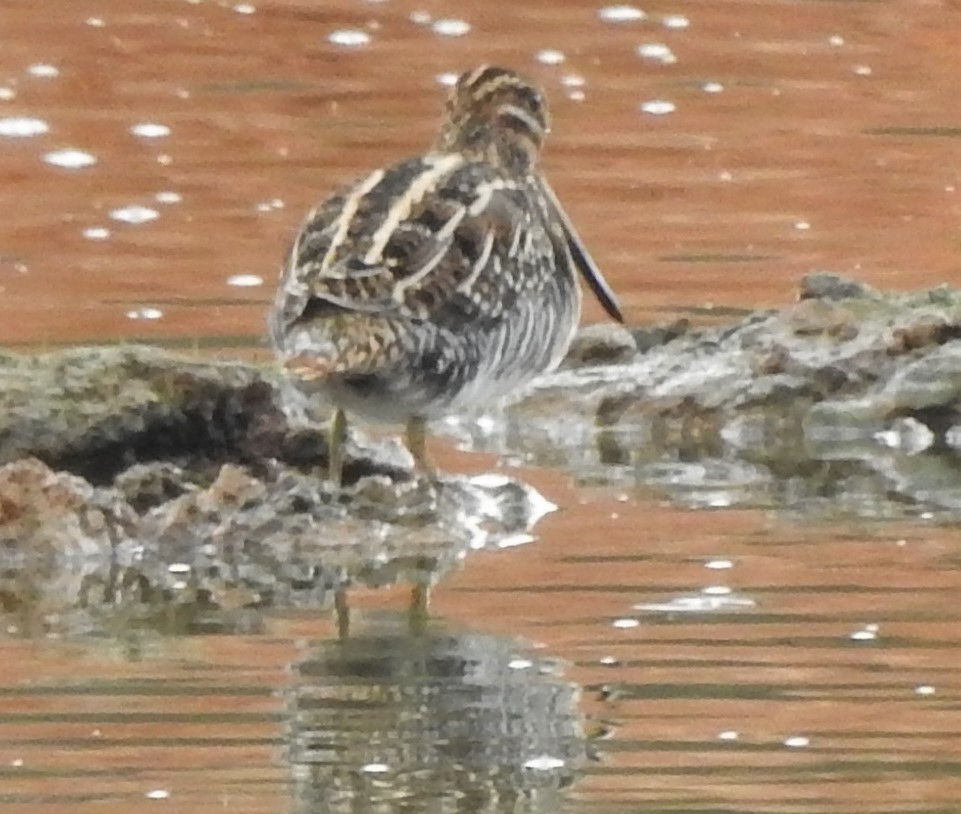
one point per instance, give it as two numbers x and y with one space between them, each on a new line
439 721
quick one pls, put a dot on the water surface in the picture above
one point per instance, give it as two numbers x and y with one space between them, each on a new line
156 158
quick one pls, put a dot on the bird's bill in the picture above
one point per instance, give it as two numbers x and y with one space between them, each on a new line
583 261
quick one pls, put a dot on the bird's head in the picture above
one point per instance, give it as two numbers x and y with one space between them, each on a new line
495 114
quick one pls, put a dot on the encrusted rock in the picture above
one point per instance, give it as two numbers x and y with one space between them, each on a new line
603 344
97 411
648 338
56 516
822 285
134 478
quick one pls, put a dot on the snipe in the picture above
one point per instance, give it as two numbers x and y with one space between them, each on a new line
441 283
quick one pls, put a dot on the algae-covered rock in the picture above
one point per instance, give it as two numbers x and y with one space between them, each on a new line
149 477
894 350
792 403
96 411
57 516
282 538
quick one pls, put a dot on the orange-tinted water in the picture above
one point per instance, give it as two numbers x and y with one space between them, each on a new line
805 136
832 144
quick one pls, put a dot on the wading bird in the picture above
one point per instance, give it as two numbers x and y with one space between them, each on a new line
441 283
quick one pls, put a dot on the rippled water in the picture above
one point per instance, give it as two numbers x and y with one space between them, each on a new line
656 649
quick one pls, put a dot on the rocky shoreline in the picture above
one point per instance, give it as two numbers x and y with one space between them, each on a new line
128 473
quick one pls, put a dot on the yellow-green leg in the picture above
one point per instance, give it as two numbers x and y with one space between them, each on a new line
336 438
342 613
417 444
417 615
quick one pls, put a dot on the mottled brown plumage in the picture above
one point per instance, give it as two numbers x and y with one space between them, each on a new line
443 282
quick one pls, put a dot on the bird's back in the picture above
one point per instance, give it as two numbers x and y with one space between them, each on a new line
438 245
443 280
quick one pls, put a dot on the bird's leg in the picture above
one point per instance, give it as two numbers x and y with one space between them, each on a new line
417 611
336 438
417 444
342 613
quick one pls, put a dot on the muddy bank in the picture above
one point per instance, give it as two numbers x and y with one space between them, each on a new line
129 475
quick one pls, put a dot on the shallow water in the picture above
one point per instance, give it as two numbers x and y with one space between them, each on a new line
805 136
